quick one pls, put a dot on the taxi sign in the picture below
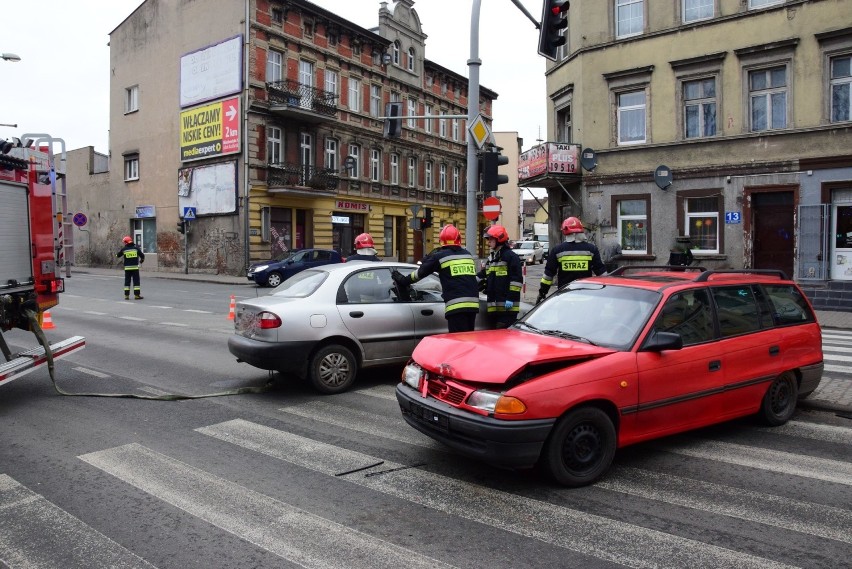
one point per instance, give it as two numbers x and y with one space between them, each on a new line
479 131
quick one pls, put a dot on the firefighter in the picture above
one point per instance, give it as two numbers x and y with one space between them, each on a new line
572 259
133 257
456 269
503 278
364 249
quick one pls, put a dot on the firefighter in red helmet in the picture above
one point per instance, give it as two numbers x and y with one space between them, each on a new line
504 278
456 269
365 249
572 259
133 257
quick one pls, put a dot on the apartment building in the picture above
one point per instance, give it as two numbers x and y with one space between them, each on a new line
259 123
718 125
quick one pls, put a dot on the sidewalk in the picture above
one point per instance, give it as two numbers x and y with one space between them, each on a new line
833 393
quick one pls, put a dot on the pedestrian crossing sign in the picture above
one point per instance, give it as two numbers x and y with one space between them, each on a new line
189 213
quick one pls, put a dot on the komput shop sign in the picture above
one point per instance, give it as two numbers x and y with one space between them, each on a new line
210 130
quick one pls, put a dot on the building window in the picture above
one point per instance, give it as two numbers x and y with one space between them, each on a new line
754 4
356 49
442 126
444 87
375 100
131 99
563 124
277 16
456 178
394 169
355 154
395 97
412 112
131 167
388 236
332 40
455 129
629 17
428 175
395 53
699 108
331 82
442 177
274 66
306 147
306 73
330 160
412 171
702 224
309 29
841 88
768 98
354 94
631 117
410 62
633 226
274 145
427 122
694 10
376 165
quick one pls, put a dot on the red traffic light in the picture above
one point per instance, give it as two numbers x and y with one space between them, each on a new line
559 7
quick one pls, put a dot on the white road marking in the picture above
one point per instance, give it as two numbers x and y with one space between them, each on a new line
197 311
174 324
815 431
287 531
95 313
133 318
380 391
92 372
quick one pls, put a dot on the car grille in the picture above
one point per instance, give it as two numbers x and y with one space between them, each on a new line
449 393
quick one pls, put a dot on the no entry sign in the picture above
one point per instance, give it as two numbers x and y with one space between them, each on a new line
491 208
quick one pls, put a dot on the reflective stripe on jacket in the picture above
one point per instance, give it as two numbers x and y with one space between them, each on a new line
504 278
456 269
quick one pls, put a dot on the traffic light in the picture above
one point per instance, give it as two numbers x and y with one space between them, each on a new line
491 161
426 218
554 19
181 226
393 120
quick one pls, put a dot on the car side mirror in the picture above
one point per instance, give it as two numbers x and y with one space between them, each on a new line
659 341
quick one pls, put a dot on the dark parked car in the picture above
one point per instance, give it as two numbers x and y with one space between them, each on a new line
275 271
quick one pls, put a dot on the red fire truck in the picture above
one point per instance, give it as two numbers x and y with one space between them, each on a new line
31 253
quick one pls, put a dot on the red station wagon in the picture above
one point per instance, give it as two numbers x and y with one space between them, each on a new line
610 361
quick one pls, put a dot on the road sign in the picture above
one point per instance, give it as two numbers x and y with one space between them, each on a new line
80 219
491 208
188 213
479 131
415 209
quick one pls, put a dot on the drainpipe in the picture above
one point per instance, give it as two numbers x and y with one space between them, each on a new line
246 185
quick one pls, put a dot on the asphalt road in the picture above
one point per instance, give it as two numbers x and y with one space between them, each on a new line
273 480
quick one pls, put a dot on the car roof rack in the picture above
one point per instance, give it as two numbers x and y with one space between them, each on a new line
673 268
774 272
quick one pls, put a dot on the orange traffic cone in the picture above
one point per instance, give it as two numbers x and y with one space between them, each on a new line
232 309
47 321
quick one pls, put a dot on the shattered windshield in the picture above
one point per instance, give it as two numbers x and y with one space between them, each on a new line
597 314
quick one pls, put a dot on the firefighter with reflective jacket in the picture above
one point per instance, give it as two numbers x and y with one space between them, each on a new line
365 249
133 257
503 278
456 269
572 259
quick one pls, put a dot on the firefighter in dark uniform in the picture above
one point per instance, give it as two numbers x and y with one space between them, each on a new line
133 257
456 269
572 259
365 249
504 278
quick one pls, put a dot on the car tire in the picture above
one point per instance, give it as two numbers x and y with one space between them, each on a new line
779 403
273 279
580 447
332 369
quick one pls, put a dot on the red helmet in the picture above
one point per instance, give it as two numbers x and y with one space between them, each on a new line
572 225
127 240
497 232
364 240
450 235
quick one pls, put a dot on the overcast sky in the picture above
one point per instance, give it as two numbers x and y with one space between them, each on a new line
61 85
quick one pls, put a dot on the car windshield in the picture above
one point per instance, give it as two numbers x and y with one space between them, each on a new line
301 284
525 245
282 255
601 314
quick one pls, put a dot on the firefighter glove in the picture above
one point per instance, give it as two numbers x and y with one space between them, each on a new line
508 304
540 298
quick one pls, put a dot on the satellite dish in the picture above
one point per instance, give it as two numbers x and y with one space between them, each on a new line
663 177
588 159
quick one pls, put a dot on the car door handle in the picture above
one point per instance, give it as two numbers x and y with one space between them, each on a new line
715 365
774 350
427 312
356 314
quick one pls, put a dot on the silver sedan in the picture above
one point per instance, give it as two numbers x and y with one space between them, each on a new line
328 322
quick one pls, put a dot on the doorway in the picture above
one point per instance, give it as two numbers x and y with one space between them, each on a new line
773 241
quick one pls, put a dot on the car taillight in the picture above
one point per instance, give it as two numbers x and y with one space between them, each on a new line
269 320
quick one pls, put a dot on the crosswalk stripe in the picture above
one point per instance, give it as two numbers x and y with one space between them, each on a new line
764 459
133 318
26 514
380 391
837 369
836 358
571 529
287 531
815 431
363 422
804 517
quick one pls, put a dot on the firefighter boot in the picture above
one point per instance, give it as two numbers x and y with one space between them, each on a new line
139 297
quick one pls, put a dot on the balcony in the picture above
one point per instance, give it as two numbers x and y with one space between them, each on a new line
285 175
288 98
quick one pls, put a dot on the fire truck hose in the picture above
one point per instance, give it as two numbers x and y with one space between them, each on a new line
42 339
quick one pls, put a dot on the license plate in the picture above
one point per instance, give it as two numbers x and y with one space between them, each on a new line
437 420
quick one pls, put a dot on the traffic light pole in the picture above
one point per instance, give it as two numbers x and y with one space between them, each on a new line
471 237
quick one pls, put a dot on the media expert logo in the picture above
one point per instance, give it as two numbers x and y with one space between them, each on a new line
210 130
